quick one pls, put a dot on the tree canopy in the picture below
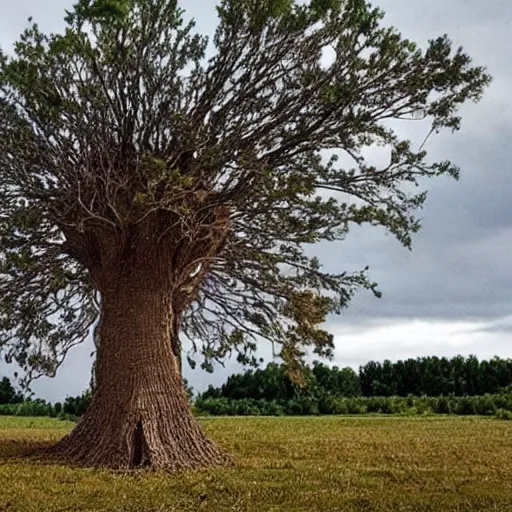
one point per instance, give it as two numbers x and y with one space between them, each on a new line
120 130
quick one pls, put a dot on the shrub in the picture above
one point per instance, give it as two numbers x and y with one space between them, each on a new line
465 406
77 405
503 414
442 405
485 406
27 408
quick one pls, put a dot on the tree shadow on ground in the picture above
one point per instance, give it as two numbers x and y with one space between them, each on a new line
23 450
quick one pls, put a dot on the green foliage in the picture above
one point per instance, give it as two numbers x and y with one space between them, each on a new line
100 10
28 408
275 384
487 405
434 376
72 408
483 389
429 376
331 390
503 414
8 395
76 406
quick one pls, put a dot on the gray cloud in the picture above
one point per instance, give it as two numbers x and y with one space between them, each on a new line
460 261
501 325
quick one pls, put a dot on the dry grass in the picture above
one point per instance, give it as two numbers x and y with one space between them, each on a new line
285 464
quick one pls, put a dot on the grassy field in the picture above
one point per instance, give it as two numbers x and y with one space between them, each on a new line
285 464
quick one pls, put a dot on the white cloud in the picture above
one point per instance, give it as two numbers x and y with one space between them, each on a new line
403 339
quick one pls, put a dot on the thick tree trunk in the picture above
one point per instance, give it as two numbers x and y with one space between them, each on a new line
139 415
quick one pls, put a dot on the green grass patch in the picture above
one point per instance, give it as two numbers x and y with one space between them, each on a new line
328 464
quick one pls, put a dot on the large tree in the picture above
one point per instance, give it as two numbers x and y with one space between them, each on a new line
181 193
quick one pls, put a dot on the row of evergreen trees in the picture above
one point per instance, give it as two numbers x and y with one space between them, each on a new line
434 376
424 376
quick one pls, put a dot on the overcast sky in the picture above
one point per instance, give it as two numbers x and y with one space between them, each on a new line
453 293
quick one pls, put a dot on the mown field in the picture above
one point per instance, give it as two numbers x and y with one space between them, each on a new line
285 464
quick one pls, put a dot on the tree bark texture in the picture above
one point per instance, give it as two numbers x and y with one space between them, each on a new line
139 415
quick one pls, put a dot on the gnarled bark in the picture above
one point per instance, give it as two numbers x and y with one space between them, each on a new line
139 415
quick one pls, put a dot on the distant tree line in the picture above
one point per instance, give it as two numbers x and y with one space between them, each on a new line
436 376
415 386
424 376
426 385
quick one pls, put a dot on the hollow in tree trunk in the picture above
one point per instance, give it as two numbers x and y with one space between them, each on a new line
139 415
